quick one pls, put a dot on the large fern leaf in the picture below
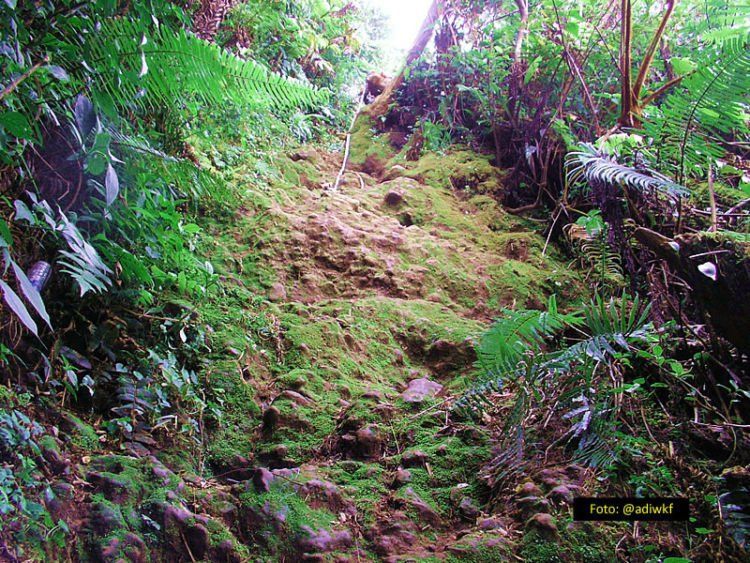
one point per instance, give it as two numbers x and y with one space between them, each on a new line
709 107
591 165
517 331
135 64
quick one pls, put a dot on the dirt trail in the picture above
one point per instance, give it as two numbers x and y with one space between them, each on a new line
336 440
383 287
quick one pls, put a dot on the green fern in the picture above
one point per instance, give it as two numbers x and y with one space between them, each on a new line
513 351
173 67
710 106
510 336
603 266
591 165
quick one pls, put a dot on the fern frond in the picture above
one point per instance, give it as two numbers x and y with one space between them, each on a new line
591 165
517 331
595 445
508 465
133 64
188 178
603 265
709 106
734 507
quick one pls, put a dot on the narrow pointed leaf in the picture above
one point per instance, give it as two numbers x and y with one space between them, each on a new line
16 305
112 184
31 294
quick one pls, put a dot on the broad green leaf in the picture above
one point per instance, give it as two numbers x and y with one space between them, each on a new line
96 163
573 29
112 185
682 65
31 294
85 116
532 69
23 213
16 305
16 124
6 238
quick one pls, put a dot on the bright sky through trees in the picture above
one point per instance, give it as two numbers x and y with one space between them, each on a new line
405 17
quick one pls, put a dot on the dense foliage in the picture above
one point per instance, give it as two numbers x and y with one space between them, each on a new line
135 134
101 104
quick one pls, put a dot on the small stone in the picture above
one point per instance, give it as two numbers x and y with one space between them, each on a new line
373 394
394 197
145 439
414 458
302 154
106 519
425 511
277 293
324 541
528 489
183 523
227 552
162 473
296 397
262 480
544 523
401 477
137 449
198 539
468 509
57 463
368 441
113 488
420 389
491 523
561 493
532 504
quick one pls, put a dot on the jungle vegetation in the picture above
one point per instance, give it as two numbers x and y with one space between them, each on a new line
247 317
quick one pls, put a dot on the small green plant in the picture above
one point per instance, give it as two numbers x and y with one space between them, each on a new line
577 373
23 518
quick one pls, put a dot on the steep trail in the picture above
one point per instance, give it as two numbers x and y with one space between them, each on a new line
380 290
344 329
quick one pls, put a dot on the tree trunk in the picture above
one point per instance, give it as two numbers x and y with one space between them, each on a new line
380 106
631 104
626 45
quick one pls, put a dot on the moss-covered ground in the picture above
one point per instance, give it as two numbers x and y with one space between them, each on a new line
328 305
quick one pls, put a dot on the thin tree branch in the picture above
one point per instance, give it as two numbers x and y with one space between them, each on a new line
13 85
649 57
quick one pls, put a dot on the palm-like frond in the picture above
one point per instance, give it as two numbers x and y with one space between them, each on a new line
591 165
734 507
610 329
516 332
